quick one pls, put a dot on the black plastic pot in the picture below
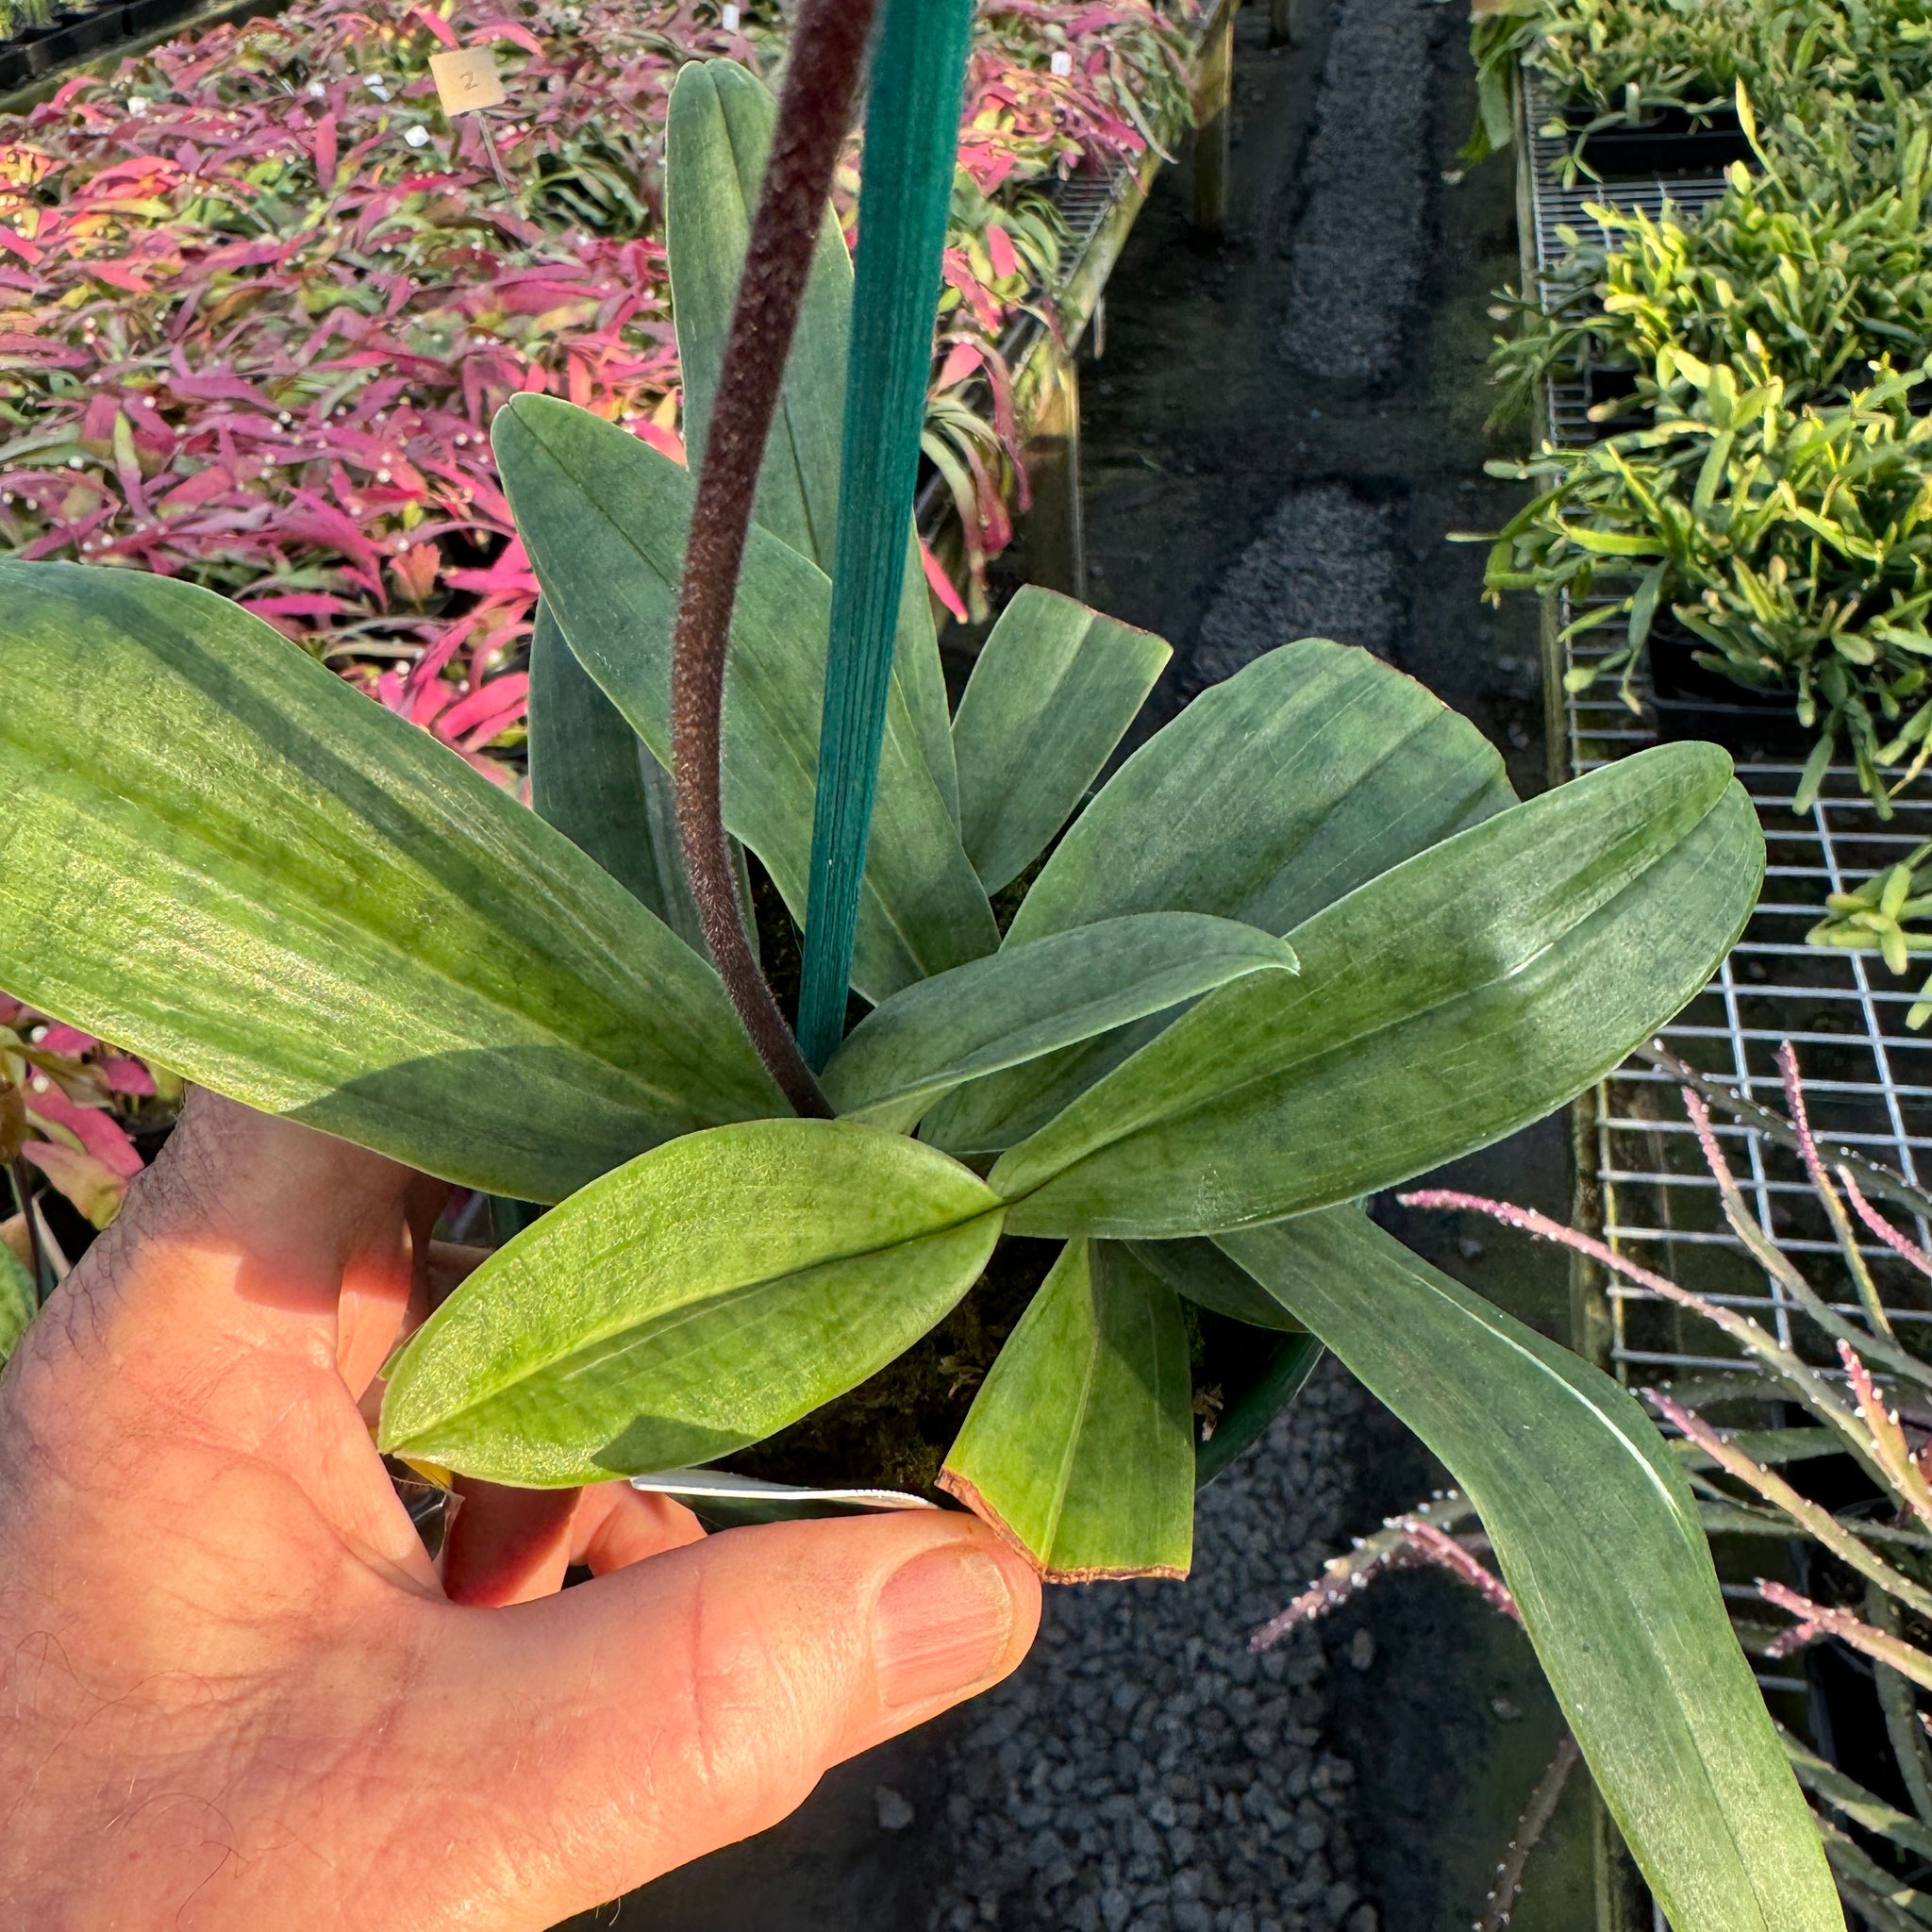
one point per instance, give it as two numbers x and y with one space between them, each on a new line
141 17
72 36
1695 702
1667 142
1613 390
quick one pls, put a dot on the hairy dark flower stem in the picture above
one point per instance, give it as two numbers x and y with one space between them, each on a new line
815 109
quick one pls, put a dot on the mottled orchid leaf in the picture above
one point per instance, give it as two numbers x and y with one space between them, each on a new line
1079 1445
594 779
1012 1006
713 1290
1440 1006
1198 1272
1052 692
604 519
235 865
1598 1538
1272 796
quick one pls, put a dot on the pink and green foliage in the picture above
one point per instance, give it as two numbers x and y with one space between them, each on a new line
67 1103
254 336
258 301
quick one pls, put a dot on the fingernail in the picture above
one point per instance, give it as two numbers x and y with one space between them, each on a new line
941 1625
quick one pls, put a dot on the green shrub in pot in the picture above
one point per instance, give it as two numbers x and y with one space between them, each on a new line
1301 944
1609 62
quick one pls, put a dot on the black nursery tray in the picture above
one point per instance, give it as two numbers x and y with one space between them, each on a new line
1695 702
82 34
1667 142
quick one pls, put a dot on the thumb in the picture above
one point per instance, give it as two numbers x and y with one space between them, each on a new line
688 1701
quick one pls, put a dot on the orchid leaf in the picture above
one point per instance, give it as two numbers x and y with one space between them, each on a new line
1012 1006
1440 1006
18 1302
1054 690
592 777
1079 1445
717 136
239 866
1598 1538
1198 1272
604 517
719 1288
1296 780
1272 795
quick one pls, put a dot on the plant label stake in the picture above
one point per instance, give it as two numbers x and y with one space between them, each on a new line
912 131
467 82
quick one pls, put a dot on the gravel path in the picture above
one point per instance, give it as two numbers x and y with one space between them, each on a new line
1358 247
1324 566
1143 1771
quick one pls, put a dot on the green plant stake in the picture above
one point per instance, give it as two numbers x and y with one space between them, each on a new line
910 134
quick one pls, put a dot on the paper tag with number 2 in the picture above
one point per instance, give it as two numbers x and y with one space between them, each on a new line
466 79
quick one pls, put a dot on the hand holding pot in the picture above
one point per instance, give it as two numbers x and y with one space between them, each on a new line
239 1693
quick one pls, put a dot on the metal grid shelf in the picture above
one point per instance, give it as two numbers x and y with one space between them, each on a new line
1868 1079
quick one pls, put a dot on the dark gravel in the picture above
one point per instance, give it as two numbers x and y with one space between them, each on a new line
1357 256
1145 1772
1324 566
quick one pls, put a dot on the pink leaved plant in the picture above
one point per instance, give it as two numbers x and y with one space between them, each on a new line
67 1104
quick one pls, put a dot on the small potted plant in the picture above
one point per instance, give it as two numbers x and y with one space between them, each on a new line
1301 944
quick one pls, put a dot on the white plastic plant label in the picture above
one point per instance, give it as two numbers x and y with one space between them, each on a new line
1061 64
730 19
722 1486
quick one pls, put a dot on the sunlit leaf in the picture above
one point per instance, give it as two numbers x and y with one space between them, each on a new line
1054 689
239 866
1079 1445
998 1011
604 517
1442 1006
1598 1538
693 1302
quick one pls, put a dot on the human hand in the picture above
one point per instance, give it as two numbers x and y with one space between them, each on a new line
236 1694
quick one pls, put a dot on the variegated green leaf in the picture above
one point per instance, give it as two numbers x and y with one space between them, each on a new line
998 1011
1079 1445
1440 1006
604 517
689 1304
1272 796
592 777
233 863
1598 1538
1054 690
